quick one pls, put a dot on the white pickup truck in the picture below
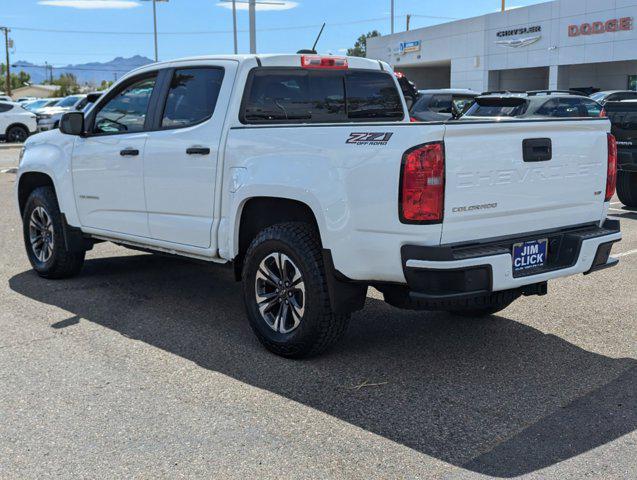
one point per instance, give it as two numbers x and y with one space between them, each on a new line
305 172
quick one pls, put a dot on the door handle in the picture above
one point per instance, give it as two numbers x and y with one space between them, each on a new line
537 149
198 151
129 152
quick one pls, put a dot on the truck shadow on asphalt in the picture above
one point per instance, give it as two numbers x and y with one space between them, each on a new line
493 396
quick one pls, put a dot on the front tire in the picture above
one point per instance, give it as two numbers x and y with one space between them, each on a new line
44 237
285 292
17 134
627 188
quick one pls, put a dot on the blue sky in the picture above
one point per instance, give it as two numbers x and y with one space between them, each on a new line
346 20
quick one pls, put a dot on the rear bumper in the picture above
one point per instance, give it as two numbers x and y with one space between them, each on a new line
457 271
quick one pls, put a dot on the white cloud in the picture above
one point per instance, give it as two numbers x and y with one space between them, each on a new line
91 4
266 5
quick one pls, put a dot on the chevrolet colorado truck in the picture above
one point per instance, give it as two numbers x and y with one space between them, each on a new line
305 173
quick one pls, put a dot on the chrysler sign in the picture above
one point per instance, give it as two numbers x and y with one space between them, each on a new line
595 28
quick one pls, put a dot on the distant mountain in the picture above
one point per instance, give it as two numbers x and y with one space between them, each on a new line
87 73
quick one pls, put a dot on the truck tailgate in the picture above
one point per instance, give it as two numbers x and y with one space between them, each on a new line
493 189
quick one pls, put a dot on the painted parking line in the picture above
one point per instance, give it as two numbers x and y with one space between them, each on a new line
624 254
616 203
619 210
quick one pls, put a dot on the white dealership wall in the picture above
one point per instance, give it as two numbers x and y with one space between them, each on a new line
467 49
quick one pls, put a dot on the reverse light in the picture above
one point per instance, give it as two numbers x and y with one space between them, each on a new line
611 173
317 61
422 184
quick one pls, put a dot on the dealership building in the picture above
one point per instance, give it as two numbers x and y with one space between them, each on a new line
555 45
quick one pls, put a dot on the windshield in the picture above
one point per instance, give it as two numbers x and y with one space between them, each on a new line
598 96
35 105
68 101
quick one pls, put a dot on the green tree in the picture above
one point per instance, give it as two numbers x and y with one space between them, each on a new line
360 47
105 85
67 83
18 80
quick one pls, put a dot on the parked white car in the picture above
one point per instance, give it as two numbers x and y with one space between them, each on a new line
5 98
305 172
49 117
16 123
39 104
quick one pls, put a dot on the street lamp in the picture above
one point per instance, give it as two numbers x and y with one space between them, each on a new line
155 24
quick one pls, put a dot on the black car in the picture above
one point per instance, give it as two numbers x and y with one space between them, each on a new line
623 118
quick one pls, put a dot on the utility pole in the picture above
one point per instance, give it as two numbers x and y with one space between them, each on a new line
392 16
408 21
253 26
6 44
234 25
503 5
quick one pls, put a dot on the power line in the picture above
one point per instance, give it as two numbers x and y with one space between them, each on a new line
219 32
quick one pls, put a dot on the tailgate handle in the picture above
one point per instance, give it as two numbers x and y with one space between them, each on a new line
537 149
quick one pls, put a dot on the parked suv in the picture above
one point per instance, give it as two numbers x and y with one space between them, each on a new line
440 105
535 104
16 123
305 173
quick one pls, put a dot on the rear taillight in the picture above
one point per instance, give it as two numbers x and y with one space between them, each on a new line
316 61
602 114
422 184
611 173
413 120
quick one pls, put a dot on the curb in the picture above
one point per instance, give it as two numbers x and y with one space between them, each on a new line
9 170
10 146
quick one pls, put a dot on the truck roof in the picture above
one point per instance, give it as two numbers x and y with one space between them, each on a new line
270 60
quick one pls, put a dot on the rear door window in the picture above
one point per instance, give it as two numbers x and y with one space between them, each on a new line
192 96
282 95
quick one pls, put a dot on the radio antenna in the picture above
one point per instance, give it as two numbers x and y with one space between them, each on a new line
317 38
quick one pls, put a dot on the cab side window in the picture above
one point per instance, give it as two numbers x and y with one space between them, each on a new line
192 97
126 111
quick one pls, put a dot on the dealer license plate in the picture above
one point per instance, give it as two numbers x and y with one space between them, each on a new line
529 255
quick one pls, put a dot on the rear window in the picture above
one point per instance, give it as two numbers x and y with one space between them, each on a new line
495 111
282 95
570 107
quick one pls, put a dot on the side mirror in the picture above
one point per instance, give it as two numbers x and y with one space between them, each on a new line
72 123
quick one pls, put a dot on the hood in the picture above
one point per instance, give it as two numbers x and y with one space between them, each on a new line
52 136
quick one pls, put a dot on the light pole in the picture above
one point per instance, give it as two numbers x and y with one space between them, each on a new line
234 25
155 24
392 16
252 10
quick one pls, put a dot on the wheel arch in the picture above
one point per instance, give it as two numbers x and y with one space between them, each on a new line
28 182
260 212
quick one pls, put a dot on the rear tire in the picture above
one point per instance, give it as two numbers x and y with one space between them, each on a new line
285 292
17 134
44 237
627 188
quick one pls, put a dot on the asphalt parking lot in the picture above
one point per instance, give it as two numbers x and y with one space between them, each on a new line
145 367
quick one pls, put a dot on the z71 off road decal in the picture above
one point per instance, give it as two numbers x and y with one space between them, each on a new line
367 138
